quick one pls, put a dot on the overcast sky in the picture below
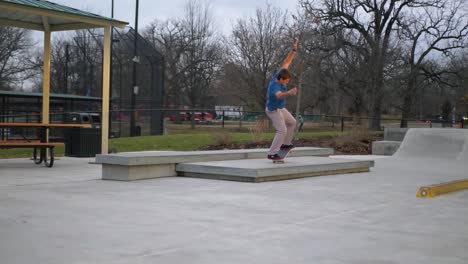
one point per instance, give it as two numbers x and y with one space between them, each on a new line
224 11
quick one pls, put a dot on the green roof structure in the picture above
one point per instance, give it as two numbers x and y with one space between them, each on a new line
39 14
15 94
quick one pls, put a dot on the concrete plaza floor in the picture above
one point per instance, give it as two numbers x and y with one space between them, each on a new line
67 214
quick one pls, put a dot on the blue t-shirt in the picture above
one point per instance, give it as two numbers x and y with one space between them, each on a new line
273 102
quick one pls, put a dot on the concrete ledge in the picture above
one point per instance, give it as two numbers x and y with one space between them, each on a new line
442 188
264 170
387 148
168 157
132 166
394 133
133 173
269 178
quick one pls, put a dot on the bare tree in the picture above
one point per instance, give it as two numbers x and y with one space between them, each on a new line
306 61
76 61
202 58
15 62
86 58
342 70
170 37
457 90
256 50
375 21
192 54
59 66
435 30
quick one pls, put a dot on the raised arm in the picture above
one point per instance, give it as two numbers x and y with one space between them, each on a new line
290 57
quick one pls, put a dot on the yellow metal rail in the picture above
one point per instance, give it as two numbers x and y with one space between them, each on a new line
442 188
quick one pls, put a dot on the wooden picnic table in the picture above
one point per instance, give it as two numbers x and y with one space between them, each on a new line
43 125
46 148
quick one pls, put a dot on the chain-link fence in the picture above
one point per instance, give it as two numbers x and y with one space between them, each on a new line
182 121
137 83
178 121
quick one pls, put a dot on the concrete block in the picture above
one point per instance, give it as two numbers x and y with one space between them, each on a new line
261 170
131 166
133 173
387 148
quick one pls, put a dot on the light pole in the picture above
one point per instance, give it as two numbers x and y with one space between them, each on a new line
135 87
111 73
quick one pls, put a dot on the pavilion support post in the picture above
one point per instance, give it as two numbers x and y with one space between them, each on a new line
46 80
105 91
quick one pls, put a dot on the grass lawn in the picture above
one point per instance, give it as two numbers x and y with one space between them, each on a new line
25 153
172 142
193 141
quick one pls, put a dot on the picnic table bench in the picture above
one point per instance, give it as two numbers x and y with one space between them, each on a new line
46 148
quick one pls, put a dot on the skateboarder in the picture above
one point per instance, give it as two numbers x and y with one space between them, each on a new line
282 120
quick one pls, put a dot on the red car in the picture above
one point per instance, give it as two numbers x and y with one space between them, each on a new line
198 116
205 116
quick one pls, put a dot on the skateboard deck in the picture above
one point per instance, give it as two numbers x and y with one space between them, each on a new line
283 153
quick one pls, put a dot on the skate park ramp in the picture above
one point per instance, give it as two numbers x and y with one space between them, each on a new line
435 143
442 149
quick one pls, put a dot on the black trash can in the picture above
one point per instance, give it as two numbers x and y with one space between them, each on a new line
82 142
93 119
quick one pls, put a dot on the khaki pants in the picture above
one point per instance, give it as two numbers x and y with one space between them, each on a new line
284 124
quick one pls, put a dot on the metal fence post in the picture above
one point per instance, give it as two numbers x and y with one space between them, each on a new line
342 124
223 119
192 120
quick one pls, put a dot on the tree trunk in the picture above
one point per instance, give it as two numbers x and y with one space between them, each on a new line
408 100
376 99
406 109
374 122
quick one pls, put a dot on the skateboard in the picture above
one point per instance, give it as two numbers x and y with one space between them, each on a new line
283 153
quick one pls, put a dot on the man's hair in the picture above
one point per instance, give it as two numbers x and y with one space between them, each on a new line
284 74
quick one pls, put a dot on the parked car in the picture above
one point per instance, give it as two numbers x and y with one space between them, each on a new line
183 116
202 116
